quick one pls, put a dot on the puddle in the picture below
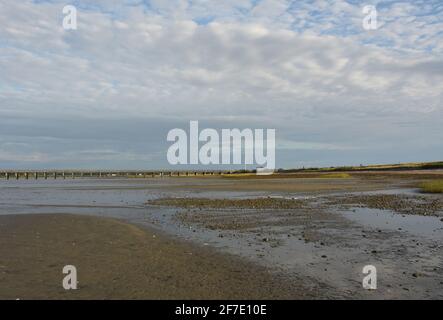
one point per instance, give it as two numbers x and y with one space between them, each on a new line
425 226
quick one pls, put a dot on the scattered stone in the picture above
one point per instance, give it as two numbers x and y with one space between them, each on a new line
405 205
255 203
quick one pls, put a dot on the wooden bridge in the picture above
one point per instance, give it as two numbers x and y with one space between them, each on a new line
72 174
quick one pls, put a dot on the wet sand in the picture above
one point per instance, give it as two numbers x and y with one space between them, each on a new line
329 238
116 260
312 183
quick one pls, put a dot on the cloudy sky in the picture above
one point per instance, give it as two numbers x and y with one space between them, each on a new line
106 95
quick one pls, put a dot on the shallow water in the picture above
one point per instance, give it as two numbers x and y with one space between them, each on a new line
425 226
93 195
117 198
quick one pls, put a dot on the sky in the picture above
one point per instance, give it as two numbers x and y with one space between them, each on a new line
106 94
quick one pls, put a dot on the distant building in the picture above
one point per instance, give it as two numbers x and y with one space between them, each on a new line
260 171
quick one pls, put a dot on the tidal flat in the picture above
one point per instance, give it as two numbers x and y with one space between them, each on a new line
307 237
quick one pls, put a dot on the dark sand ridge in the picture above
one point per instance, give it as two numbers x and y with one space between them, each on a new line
308 182
293 183
117 260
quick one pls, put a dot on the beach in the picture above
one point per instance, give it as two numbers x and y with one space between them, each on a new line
115 260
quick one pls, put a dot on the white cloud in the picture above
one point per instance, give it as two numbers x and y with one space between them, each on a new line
262 62
306 145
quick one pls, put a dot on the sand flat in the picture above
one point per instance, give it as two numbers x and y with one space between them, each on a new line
116 260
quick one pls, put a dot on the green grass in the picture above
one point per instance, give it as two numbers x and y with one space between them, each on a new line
435 186
374 167
336 175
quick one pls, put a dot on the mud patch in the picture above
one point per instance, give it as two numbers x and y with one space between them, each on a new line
256 203
404 204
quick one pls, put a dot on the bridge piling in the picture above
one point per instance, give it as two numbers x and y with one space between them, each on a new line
17 175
